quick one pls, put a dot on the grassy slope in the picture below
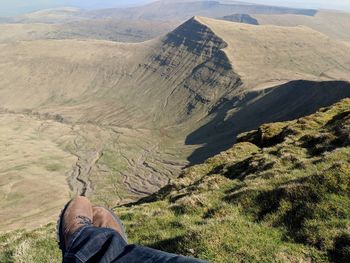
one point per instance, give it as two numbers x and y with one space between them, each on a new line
114 30
339 29
281 194
280 56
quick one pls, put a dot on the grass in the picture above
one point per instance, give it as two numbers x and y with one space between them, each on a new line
30 246
281 194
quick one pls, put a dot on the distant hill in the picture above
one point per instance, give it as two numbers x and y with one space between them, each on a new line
158 10
241 18
113 30
186 9
339 28
134 24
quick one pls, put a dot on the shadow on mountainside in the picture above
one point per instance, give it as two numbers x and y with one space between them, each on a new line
289 101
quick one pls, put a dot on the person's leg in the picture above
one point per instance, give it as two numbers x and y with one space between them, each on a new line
93 243
137 254
133 253
81 241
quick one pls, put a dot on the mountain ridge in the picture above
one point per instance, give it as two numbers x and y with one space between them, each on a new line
234 65
182 10
202 8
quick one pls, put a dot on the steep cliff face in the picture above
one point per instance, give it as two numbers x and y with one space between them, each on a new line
191 58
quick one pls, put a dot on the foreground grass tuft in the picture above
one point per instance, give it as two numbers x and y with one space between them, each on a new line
30 246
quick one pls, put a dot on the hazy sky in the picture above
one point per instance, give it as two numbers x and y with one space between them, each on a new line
13 7
319 4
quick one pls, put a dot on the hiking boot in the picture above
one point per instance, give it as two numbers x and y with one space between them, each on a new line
103 217
76 214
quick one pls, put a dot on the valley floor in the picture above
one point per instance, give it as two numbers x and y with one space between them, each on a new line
47 161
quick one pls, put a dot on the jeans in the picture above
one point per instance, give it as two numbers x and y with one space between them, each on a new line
104 245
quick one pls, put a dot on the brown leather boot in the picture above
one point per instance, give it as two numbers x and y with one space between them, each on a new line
76 214
102 217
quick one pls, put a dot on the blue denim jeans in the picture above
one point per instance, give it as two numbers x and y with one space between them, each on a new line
104 245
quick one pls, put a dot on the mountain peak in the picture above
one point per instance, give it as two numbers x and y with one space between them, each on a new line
196 36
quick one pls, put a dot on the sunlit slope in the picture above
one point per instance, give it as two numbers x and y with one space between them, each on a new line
263 55
334 24
33 179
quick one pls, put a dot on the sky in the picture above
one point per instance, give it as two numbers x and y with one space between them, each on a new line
15 7
343 5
